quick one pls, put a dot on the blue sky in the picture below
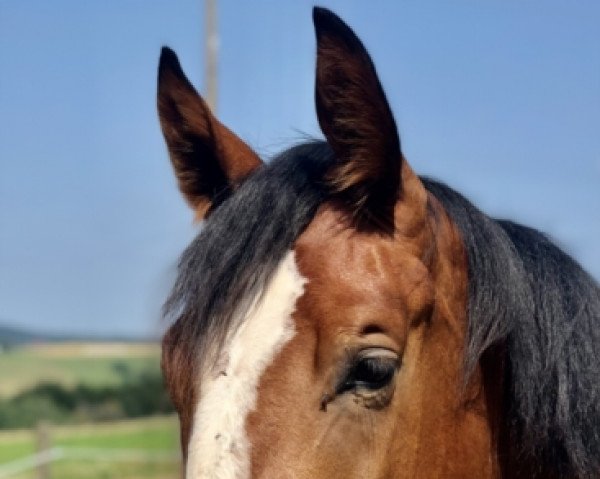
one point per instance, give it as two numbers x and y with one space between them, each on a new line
499 99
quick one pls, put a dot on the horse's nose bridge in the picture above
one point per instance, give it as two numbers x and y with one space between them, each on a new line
218 446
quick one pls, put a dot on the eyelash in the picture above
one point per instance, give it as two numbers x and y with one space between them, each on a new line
370 373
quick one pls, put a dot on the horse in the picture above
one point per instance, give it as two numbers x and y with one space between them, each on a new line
338 316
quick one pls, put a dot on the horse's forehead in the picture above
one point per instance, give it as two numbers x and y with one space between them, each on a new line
359 282
340 257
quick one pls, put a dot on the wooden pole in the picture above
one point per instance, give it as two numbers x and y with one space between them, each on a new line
43 445
211 49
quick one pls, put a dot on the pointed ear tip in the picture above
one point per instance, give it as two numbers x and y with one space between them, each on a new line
325 21
318 13
167 55
322 17
322 14
168 61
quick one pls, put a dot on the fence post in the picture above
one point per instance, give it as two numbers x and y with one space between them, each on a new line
43 445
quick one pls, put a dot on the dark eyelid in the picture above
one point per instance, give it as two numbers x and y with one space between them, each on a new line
352 361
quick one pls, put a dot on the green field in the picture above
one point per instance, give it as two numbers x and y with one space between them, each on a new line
135 449
146 448
74 363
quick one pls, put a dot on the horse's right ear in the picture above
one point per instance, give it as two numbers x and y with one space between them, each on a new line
208 159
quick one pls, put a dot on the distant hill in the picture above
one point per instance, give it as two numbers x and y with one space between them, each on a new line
11 335
14 336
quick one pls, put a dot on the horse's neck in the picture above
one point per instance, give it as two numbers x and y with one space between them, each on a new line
473 411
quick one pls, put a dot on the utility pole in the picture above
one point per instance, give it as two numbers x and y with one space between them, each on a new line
211 48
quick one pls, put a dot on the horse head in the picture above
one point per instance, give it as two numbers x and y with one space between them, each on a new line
338 316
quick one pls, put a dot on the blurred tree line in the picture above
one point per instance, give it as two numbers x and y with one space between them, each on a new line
138 395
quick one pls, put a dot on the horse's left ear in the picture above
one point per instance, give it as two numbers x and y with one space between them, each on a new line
358 123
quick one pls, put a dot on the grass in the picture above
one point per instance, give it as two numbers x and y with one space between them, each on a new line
95 365
157 436
70 364
107 470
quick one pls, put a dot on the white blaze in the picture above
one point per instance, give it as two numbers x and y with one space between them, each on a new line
219 447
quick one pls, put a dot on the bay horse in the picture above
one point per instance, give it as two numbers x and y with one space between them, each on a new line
338 316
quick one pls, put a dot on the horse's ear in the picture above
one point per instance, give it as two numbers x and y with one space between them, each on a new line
358 123
208 158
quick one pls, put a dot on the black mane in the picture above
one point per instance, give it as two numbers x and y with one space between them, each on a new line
524 294
534 300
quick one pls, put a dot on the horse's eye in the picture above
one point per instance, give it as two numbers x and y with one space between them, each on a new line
371 371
